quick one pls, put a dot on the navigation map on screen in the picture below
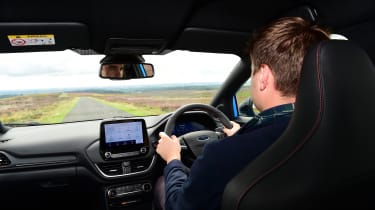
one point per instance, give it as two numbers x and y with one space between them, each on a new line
124 133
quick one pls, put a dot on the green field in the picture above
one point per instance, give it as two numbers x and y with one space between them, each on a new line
132 108
242 94
41 108
52 108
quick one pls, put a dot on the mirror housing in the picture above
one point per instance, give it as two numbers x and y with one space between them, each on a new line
125 71
124 67
246 108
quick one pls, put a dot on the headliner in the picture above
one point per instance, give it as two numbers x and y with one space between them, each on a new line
158 26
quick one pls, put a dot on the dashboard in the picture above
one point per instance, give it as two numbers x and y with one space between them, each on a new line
70 165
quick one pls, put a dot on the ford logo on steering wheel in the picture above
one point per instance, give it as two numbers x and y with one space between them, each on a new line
203 138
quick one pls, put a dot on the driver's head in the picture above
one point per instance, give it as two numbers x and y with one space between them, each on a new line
277 51
114 66
113 70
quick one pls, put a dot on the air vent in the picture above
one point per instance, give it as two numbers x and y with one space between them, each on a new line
141 165
4 161
111 169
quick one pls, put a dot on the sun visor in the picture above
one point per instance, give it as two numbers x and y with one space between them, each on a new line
40 36
211 40
124 46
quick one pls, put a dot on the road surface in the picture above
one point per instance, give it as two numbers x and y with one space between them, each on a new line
89 109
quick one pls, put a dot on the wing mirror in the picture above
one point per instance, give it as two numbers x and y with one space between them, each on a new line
246 108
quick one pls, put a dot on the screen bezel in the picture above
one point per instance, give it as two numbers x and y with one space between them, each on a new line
123 148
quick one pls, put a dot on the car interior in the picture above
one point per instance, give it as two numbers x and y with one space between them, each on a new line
323 159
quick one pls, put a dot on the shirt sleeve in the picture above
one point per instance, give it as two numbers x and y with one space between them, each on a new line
175 177
183 191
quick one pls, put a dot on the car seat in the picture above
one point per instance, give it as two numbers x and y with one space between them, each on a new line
326 156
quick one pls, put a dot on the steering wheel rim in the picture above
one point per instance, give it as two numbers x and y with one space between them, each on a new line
196 107
195 141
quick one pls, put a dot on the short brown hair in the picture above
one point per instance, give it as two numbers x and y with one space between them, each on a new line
282 45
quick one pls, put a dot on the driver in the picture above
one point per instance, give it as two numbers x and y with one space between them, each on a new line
277 53
113 70
120 66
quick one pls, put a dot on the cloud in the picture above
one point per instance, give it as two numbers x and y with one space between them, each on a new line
180 66
48 63
69 69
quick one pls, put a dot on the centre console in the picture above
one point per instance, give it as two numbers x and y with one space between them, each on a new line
125 151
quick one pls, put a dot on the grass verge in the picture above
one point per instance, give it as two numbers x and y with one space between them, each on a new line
52 113
132 109
57 113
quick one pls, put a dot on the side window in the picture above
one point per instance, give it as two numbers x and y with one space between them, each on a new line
245 104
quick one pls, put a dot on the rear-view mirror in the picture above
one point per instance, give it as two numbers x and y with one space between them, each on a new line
124 71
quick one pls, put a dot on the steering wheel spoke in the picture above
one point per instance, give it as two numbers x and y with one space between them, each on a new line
182 143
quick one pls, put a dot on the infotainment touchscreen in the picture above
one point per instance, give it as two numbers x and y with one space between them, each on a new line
123 133
123 138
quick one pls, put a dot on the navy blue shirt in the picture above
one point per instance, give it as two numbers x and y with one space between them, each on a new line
202 189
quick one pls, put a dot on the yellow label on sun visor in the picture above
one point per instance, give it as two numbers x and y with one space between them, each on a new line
31 40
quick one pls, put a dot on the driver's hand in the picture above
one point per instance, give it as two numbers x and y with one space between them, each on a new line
233 130
168 148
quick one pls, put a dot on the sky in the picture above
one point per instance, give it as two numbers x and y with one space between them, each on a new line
62 69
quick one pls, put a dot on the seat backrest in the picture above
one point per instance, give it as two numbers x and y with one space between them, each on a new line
326 156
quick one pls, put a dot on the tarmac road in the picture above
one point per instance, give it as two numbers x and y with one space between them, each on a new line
89 109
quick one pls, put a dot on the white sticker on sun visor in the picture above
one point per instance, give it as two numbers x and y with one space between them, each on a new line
31 40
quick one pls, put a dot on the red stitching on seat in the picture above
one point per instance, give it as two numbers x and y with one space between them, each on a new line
316 123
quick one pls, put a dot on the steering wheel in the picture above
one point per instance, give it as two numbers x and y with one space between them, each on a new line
195 141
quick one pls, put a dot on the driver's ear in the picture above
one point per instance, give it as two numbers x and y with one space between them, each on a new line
265 76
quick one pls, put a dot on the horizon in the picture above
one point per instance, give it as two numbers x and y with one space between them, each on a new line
119 88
